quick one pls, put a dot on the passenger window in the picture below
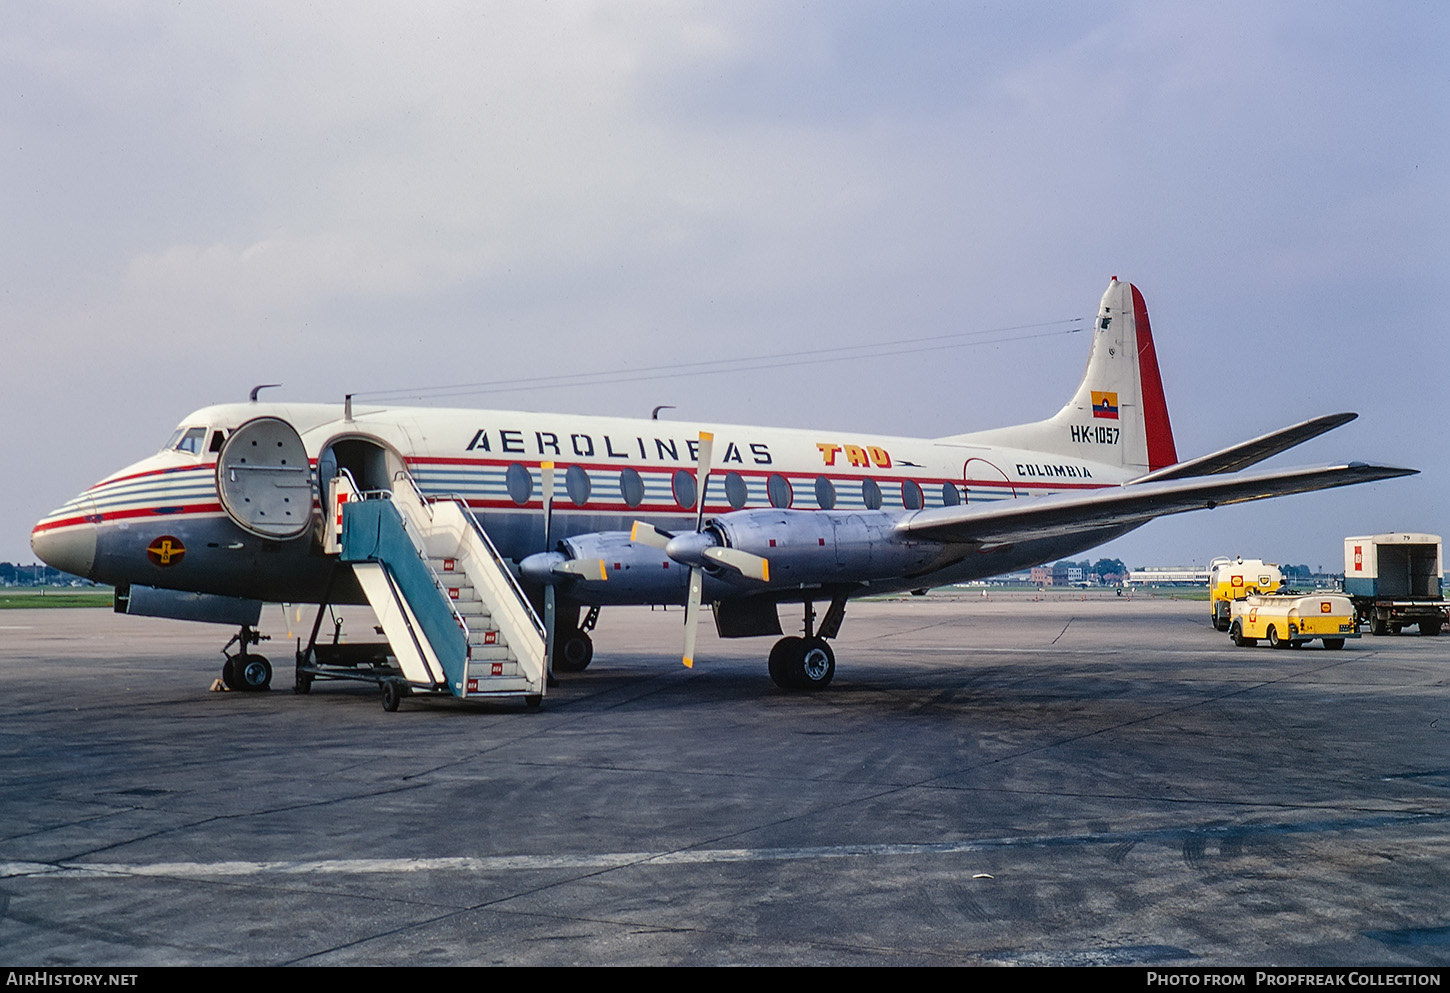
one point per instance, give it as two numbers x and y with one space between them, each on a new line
825 493
911 497
777 487
683 485
576 482
870 494
631 487
520 483
735 490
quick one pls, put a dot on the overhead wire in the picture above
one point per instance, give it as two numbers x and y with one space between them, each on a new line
725 366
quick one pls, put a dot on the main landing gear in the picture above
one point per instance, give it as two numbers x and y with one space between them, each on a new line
807 663
245 672
573 648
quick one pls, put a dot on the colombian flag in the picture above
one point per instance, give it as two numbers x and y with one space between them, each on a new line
1105 405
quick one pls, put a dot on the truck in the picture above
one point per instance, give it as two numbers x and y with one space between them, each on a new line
1394 580
1288 620
1234 579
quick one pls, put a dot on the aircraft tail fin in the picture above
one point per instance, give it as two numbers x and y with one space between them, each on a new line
1119 414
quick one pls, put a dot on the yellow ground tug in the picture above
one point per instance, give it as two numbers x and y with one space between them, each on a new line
1288 620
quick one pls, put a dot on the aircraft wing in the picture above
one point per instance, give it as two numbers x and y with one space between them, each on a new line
1252 452
1131 504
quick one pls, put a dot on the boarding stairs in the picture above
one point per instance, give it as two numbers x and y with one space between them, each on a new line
454 616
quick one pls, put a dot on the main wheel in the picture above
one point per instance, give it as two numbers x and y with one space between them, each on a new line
1275 641
782 654
815 666
254 673
229 674
1333 643
574 652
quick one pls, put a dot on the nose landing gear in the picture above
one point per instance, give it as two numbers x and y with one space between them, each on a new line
245 672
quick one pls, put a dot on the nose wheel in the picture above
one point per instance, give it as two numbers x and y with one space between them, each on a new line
246 672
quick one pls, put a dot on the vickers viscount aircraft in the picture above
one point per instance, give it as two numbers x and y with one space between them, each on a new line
253 502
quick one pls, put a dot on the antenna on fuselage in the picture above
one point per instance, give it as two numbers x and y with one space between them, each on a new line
654 415
259 388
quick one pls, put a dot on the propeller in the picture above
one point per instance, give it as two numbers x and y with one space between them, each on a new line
699 548
551 596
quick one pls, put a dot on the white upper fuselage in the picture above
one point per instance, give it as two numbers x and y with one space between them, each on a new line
470 453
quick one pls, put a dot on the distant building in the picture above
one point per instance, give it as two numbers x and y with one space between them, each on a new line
1169 576
1060 574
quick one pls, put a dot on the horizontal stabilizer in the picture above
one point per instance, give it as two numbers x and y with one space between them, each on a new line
1247 453
1129 505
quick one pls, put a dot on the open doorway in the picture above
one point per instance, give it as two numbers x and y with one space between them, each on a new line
371 463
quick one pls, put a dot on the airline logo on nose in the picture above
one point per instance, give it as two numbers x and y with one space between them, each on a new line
1105 405
165 550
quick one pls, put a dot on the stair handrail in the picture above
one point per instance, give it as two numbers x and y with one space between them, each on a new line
438 583
489 546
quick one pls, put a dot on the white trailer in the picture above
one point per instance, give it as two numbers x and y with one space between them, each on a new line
1394 580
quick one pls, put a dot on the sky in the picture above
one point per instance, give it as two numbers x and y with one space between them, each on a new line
354 196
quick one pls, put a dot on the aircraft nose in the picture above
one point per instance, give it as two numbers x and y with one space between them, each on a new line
70 549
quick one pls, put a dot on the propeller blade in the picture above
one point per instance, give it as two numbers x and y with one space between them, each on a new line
692 615
748 564
551 614
648 534
546 471
588 568
702 475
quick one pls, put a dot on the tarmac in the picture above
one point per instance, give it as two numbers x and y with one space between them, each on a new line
1003 781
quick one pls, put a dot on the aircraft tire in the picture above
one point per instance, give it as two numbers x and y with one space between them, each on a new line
229 675
814 666
253 672
574 652
1333 643
781 655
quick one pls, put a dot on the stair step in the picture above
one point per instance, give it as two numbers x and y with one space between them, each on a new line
490 653
486 636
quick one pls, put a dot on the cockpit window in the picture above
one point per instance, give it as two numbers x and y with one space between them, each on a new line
191 441
218 438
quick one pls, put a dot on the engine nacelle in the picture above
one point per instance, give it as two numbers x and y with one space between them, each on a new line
804 548
830 546
609 568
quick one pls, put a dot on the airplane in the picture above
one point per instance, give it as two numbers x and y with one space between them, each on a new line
244 504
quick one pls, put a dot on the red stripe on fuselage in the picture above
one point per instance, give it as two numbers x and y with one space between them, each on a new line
150 472
118 515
